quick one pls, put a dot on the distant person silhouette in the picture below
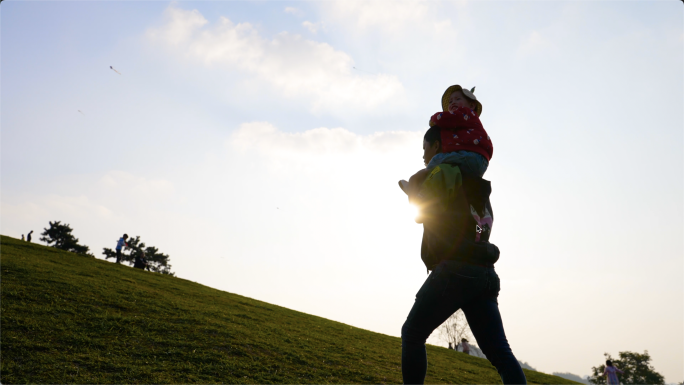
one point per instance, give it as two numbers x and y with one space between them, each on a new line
28 237
140 261
466 347
119 245
22 237
611 373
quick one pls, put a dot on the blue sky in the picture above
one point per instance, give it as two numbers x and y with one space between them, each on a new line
259 144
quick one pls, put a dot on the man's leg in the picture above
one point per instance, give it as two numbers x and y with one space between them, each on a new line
485 322
118 256
446 289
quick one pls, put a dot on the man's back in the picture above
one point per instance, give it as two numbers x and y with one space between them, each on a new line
457 218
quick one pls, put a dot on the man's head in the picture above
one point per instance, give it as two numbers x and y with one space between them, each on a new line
432 143
125 236
458 99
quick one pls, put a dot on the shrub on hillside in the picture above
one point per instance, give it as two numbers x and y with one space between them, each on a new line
156 261
59 236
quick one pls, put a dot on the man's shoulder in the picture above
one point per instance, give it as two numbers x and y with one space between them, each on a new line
449 174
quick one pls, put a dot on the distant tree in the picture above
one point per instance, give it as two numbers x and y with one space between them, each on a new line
636 366
59 236
156 261
455 328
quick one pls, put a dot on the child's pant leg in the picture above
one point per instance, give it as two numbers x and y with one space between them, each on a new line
471 163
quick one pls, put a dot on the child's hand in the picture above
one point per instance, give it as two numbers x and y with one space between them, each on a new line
404 185
415 181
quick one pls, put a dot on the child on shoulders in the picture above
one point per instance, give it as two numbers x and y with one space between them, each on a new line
463 140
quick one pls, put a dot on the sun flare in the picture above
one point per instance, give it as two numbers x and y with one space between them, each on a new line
412 211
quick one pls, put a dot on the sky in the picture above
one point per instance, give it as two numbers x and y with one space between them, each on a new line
259 144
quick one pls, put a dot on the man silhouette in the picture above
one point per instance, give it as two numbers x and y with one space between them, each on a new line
457 216
28 236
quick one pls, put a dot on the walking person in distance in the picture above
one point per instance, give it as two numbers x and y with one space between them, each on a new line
466 347
611 373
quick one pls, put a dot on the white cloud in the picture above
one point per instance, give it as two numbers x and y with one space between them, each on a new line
295 66
396 17
313 27
294 11
337 152
267 139
389 16
407 37
179 27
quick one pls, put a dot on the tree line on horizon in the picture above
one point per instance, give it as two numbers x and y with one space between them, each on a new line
59 235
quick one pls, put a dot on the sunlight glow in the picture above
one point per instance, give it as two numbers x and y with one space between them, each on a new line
412 211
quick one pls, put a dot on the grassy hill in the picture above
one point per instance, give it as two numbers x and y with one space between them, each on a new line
72 319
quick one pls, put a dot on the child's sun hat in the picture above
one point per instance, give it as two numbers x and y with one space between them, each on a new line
468 94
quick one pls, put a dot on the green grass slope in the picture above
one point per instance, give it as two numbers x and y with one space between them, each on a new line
72 319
